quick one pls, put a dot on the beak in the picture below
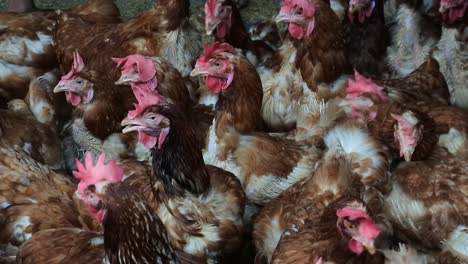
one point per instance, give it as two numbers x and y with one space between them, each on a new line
353 8
407 155
131 125
123 80
444 7
369 247
210 27
61 88
198 71
286 15
281 18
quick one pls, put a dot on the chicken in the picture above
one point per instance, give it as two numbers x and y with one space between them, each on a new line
452 51
201 206
120 209
426 83
161 31
20 128
223 19
406 132
308 199
428 203
232 87
27 43
369 36
235 88
313 53
98 110
414 37
155 72
34 198
344 234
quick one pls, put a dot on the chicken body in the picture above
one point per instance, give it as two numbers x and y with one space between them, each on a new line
147 242
452 54
306 199
369 38
20 128
422 206
302 64
414 37
201 206
27 43
36 198
161 31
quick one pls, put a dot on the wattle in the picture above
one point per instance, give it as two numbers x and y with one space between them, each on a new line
73 98
214 84
455 14
148 141
296 31
221 30
355 247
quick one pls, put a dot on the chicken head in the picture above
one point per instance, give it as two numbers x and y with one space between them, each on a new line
137 69
300 16
360 8
216 66
453 10
358 227
362 94
77 90
408 133
94 180
217 17
152 127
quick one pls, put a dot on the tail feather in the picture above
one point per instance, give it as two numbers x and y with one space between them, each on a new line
361 150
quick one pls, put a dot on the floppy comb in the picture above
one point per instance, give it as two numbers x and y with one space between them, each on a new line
216 48
89 173
145 98
362 85
77 66
145 66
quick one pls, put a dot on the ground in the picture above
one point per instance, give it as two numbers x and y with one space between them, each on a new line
254 11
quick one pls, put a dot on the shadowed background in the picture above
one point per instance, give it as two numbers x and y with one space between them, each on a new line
254 10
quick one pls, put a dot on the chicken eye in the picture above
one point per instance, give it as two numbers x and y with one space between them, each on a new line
152 118
299 11
217 64
79 82
92 188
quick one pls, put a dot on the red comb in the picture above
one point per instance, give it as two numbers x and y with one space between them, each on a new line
362 85
216 48
308 8
210 8
368 228
77 66
89 174
145 98
352 213
146 68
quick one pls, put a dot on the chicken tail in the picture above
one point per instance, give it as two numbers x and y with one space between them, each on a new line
361 150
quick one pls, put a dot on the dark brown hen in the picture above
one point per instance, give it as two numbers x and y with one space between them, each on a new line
133 232
197 202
